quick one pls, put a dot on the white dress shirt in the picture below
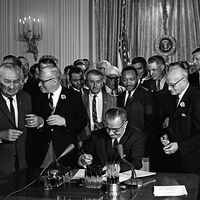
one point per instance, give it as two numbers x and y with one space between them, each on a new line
99 108
14 105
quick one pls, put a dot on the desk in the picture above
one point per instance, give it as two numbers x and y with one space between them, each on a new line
37 192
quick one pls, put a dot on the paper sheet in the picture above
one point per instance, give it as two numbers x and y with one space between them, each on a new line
175 190
122 176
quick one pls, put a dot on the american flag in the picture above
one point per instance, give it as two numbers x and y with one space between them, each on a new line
123 53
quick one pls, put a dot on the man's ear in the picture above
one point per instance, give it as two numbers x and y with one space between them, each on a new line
162 67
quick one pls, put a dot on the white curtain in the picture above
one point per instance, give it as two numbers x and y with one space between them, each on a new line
68 28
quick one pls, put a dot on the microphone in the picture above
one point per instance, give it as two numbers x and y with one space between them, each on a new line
68 149
133 180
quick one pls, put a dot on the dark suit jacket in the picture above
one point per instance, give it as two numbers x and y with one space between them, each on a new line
140 110
194 79
108 102
10 150
184 128
99 145
69 106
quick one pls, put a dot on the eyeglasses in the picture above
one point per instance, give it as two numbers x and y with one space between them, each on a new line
115 130
44 81
172 85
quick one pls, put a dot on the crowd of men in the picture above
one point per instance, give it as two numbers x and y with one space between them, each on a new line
150 108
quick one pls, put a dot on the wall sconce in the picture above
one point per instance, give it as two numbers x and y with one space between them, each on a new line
30 31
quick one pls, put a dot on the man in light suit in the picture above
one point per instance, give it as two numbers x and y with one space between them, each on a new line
104 101
183 140
14 105
58 124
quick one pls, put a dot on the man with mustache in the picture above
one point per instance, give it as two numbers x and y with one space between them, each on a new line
137 101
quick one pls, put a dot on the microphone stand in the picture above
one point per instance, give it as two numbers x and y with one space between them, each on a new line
133 180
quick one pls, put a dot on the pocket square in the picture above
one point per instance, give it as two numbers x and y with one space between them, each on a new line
183 114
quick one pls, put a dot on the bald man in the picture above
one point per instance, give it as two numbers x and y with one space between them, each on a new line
183 139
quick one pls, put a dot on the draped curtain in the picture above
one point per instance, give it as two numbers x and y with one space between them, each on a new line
144 24
67 29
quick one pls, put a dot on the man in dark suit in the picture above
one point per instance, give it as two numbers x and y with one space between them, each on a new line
14 105
137 101
76 78
96 101
183 139
194 78
59 115
100 147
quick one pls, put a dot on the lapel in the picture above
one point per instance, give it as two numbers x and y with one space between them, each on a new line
109 150
104 99
21 112
5 110
122 100
62 98
87 102
182 104
135 94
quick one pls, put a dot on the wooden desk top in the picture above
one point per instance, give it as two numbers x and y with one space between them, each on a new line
64 192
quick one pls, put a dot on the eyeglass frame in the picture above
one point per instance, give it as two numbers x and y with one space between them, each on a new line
172 85
115 130
44 81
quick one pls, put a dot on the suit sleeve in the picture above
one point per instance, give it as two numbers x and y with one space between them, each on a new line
134 150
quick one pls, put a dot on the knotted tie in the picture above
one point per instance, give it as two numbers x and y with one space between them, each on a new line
94 112
128 98
12 111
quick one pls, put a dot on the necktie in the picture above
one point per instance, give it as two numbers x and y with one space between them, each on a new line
94 112
12 111
128 98
158 85
51 103
115 144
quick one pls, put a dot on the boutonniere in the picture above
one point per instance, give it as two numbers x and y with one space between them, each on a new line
63 96
182 104
166 123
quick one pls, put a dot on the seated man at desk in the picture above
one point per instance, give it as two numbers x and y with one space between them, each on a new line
102 146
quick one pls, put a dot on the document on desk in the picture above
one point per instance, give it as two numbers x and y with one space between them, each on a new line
122 176
174 190
139 173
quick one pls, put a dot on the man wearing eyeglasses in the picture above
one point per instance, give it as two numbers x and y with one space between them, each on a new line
182 143
194 78
164 102
59 115
112 87
101 147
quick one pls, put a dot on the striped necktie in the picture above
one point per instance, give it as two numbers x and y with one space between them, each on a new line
94 112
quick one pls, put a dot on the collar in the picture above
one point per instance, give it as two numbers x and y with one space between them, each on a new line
57 92
6 98
127 92
98 95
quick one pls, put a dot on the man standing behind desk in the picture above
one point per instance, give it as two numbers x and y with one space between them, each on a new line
14 105
60 115
101 147
184 126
